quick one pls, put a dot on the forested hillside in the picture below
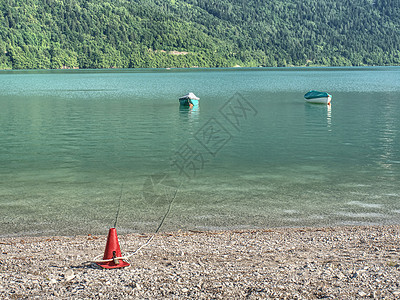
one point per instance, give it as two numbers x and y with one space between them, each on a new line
205 33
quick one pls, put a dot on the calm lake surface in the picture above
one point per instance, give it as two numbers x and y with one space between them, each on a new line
79 146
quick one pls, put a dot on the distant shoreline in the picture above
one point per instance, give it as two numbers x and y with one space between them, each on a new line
196 68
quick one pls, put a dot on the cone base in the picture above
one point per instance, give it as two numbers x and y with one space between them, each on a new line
112 265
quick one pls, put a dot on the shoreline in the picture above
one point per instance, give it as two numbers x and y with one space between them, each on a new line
347 262
301 67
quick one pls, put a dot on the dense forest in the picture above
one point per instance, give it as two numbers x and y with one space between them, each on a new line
53 34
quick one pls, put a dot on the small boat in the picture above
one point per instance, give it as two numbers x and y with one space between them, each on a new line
318 97
189 100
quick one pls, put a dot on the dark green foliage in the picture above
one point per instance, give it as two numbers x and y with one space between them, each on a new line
206 33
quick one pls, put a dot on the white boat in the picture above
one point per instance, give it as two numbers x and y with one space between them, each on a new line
318 97
189 99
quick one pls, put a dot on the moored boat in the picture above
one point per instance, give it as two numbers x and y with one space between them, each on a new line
189 99
318 97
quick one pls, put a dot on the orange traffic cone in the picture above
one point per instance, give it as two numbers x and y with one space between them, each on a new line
112 252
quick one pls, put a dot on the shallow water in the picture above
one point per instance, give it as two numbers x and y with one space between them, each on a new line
75 145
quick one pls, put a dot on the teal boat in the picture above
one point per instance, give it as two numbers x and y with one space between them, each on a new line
318 97
189 99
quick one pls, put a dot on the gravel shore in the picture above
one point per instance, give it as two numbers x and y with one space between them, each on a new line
288 263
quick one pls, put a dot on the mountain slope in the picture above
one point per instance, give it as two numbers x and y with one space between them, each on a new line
205 33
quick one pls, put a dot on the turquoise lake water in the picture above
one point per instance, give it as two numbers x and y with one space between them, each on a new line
76 145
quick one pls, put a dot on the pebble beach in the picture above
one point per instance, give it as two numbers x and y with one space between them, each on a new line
285 263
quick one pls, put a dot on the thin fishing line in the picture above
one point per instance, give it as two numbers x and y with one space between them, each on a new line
159 226
119 206
169 208
151 238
